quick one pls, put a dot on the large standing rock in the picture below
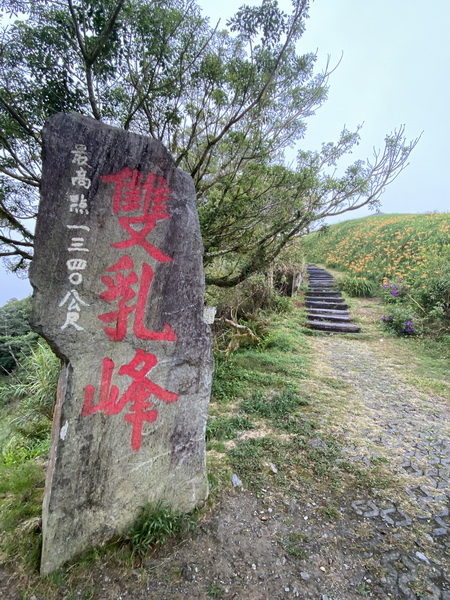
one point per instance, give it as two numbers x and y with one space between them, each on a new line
118 293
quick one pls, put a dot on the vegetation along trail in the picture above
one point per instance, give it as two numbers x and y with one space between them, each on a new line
349 501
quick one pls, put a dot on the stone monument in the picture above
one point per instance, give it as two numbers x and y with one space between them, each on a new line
118 293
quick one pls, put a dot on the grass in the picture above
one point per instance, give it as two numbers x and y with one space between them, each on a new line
21 492
279 405
155 527
287 443
427 362
216 591
226 428
294 544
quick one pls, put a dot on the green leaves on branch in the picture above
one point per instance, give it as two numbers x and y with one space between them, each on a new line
226 103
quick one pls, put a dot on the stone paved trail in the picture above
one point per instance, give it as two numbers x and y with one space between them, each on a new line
387 420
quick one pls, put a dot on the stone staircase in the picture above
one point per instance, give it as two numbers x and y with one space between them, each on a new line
326 309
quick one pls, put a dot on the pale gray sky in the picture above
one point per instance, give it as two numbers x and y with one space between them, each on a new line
394 70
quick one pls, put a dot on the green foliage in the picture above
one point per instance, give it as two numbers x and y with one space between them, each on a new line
279 405
19 480
395 291
34 383
226 385
401 320
226 428
155 527
20 449
16 337
357 287
241 318
294 544
32 389
279 340
247 299
294 458
21 490
435 295
216 591
226 103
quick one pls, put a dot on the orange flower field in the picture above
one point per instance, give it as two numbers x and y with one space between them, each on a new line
383 248
410 247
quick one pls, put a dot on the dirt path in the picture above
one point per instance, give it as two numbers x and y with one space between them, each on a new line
384 420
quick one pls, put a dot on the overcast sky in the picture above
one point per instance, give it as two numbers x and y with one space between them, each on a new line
394 70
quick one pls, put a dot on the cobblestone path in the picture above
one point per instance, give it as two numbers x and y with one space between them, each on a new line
387 421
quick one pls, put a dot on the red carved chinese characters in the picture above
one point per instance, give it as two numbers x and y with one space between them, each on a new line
143 203
137 394
139 204
120 291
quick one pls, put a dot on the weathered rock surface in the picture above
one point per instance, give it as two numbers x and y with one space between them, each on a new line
118 293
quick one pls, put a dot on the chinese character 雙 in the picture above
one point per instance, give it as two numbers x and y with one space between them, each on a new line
139 205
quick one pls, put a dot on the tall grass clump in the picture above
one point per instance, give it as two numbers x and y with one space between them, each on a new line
31 389
155 527
358 287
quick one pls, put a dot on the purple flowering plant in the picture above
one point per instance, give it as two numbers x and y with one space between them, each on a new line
395 291
400 320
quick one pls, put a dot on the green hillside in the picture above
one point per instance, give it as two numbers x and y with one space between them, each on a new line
386 248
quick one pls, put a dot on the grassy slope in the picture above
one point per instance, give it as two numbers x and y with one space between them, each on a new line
415 248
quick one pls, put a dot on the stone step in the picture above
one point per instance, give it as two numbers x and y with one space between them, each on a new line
327 311
326 298
321 283
321 304
344 318
337 327
329 293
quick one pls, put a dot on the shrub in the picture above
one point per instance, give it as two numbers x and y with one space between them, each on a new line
16 337
32 385
358 287
436 294
401 320
395 291
245 300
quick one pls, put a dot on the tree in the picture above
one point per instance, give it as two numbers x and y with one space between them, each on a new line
16 336
227 103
